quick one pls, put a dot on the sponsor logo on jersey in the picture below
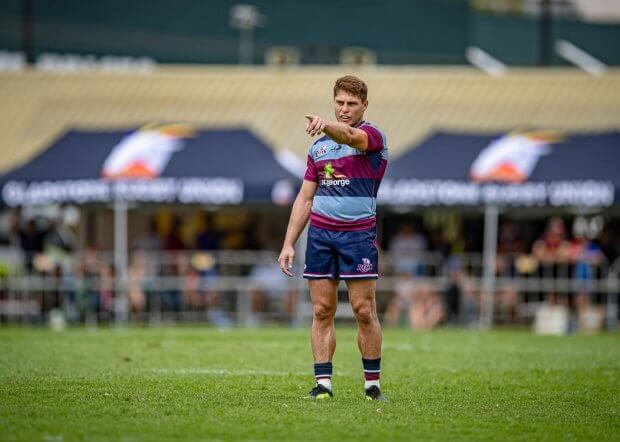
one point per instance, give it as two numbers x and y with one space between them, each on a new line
332 178
365 266
513 157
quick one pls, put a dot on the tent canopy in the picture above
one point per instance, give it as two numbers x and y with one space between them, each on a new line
155 164
522 169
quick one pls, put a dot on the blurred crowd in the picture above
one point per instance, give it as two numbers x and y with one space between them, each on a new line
167 274
431 272
440 281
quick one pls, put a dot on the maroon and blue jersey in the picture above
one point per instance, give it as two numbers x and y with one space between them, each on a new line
348 181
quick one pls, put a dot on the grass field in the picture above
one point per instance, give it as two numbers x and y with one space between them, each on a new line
204 384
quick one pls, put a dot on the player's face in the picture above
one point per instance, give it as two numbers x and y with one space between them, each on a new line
349 109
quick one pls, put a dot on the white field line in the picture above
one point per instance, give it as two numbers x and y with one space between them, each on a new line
222 372
403 347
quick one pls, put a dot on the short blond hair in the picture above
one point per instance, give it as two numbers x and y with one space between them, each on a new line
352 85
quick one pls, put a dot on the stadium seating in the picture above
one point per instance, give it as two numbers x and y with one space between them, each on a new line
408 103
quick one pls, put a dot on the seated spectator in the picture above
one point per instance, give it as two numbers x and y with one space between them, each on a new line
551 252
586 256
208 238
270 289
509 247
32 242
174 239
420 301
201 287
552 247
151 240
406 250
107 289
461 297
137 273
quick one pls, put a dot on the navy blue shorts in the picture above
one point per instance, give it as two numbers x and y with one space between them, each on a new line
341 255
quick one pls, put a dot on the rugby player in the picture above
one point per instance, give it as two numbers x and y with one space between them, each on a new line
344 169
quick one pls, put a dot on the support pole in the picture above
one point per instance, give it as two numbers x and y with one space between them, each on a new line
544 34
491 217
121 304
27 30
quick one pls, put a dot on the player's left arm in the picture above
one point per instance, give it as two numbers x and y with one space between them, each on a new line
365 139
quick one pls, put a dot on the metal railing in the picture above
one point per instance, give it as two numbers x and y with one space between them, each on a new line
246 288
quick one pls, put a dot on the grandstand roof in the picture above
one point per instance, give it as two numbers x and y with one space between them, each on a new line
407 103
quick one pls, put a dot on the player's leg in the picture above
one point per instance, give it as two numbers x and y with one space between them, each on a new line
324 295
357 263
320 270
362 298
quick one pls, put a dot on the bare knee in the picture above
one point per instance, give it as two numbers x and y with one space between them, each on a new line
324 311
364 312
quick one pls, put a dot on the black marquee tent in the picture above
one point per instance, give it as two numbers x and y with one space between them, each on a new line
519 169
578 170
207 167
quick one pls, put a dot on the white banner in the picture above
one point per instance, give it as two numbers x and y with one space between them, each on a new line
588 193
185 190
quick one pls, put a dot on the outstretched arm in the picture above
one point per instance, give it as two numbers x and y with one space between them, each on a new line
339 132
299 217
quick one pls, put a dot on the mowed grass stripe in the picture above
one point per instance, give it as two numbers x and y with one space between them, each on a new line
205 384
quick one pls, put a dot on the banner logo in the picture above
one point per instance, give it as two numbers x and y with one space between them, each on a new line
513 157
145 153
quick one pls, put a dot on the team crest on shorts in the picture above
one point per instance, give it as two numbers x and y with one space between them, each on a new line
365 266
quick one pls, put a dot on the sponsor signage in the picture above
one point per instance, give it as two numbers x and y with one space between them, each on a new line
533 168
157 163
588 193
159 190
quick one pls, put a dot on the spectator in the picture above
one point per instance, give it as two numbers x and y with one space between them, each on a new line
32 242
552 247
151 240
271 289
107 289
137 273
586 256
427 310
208 238
174 239
421 302
509 247
461 298
202 285
402 301
551 251
407 248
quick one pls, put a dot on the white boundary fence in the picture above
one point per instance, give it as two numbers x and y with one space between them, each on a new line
245 288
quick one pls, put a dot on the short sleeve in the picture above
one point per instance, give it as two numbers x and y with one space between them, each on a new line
312 173
375 140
